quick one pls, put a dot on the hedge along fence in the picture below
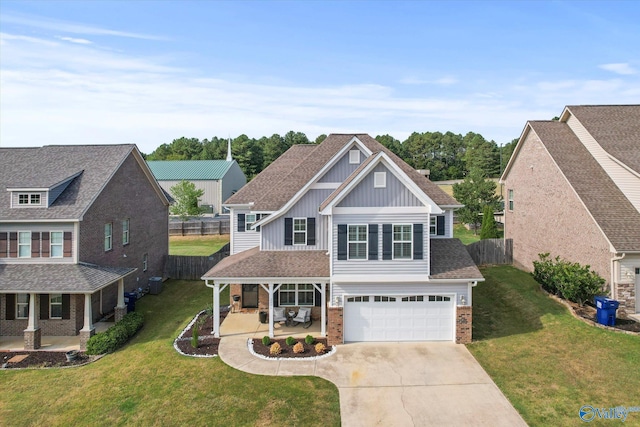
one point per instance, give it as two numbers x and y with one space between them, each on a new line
568 280
117 335
491 251
193 267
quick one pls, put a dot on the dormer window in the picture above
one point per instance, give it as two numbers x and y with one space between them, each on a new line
29 199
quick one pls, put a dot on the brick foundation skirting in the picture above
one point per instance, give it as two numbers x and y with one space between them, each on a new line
84 338
463 324
335 330
119 313
33 339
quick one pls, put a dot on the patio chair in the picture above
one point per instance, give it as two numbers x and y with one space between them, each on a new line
279 315
304 317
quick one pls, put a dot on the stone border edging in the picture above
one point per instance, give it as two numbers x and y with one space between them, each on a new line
587 321
281 359
175 342
92 358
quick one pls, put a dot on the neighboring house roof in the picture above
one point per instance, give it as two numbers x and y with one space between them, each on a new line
294 170
45 167
612 211
254 263
449 260
59 278
615 127
190 170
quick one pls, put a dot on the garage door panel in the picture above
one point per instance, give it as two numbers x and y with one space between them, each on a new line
399 320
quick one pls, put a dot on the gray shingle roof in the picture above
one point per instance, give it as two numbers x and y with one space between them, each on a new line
613 212
176 170
49 165
58 278
450 260
615 127
296 167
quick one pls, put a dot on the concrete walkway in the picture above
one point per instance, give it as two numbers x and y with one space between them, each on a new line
395 384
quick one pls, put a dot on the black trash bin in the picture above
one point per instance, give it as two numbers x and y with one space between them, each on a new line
130 299
263 317
606 310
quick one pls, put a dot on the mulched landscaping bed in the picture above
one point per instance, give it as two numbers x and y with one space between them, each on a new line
207 344
42 359
589 312
287 351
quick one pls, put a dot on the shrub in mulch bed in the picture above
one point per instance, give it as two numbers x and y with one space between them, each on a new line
287 350
42 359
589 312
207 344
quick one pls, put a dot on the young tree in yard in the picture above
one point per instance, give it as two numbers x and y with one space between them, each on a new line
186 200
489 228
475 192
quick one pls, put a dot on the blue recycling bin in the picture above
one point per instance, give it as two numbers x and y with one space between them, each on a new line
130 299
606 310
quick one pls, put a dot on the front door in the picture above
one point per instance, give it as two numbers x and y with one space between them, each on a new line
250 296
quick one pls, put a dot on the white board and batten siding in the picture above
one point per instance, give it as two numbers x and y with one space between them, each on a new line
342 169
306 207
628 266
243 240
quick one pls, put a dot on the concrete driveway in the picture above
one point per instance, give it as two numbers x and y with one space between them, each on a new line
396 384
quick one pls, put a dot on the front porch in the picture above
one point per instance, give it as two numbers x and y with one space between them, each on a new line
49 343
248 324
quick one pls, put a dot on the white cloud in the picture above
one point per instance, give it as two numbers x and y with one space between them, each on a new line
443 81
75 40
619 68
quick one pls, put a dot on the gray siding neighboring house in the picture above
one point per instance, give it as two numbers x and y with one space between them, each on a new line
351 231
79 226
218 178
572 188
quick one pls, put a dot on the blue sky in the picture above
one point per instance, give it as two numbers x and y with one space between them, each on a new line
148 72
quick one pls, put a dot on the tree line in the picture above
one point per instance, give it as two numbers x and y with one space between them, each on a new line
446 155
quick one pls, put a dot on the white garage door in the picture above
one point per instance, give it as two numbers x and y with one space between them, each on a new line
399 318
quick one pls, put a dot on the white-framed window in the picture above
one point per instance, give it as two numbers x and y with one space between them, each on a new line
55 306
354 157
357 242
382 298
438 298
433 226
299 231
301 294
24 244
402 241
55 245
108 236
413 298
22 306
145 262
29 199
510 199
379 180
125 231
249 220
358 299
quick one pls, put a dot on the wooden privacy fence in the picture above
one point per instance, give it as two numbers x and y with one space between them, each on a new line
492 251
193 267
199 228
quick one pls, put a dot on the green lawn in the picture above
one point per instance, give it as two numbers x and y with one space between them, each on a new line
465 236
197 245
148 383
545 361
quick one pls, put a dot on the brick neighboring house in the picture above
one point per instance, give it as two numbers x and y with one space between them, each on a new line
350 230
79 226
573 190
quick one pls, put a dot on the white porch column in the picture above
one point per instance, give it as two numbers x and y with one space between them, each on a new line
216 310
88 315
120 294
34 312
323 318
271 333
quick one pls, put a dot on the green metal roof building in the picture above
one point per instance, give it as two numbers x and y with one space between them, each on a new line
218 178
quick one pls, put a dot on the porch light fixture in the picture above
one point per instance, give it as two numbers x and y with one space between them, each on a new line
337 301
463 300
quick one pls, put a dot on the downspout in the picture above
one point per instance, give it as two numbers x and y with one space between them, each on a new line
615 265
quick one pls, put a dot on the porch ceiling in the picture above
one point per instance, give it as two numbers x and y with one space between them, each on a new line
59 278
254 263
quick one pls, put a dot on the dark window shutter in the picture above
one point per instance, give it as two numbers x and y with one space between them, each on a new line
44 306
288 231
276 299
417 242
67 244
13 244
387 241
258 218
3 244
311 231
373 242
45 244
440 225
342 241
66 306
11 306
241 223
318 298
35 244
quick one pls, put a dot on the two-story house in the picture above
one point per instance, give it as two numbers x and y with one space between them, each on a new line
79 226
352 231
573 190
